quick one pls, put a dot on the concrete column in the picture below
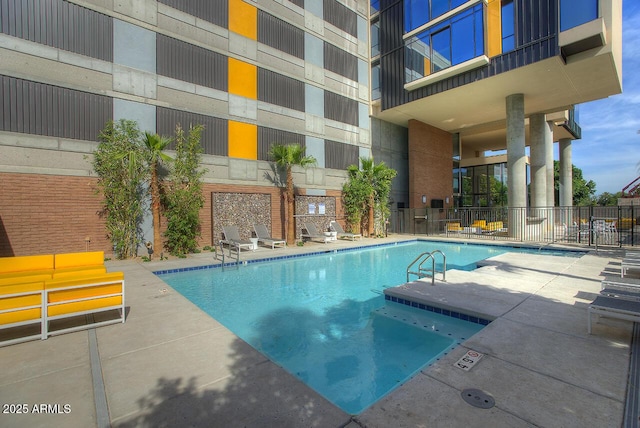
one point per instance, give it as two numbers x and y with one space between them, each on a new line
537 136
548 148
566 173
516 159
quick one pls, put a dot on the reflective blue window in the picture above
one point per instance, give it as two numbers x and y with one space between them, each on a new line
450 42
375 39
577 12
416 13
375 6
508 26
419 12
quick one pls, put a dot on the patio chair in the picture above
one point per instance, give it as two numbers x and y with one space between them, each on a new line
232 238
613 307
312 233
262 233
335 226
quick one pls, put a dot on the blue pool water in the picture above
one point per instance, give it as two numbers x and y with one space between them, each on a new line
324 318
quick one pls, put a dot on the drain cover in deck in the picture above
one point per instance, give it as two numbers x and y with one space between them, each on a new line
478 398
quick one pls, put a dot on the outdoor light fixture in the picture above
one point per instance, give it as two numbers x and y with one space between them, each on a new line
149 246
424 199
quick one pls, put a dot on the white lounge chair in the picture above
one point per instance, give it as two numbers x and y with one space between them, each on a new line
613 307
629 263
263 236
335 226
312 233
232 238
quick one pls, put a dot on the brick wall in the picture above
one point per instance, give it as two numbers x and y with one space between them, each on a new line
430 164
44 214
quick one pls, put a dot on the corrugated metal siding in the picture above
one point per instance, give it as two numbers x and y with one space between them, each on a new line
214 138
340 16
280 35
391 54
59 24
216 12
340 61
190 63
267 137
339 155
342 109
280 90
36 108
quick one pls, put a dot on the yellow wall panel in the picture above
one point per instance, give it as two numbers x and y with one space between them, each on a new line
243 19
494 28
243 79
427 66
243 140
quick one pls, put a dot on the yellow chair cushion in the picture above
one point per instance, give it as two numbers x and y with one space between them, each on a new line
454 227
79 271
81 279
479 223
24 279
9 265
85 305
72 260
20 316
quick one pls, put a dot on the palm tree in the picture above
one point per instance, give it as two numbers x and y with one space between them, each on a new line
155 144
286 156
379 176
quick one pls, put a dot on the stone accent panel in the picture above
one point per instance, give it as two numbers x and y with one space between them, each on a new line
241 210
321 221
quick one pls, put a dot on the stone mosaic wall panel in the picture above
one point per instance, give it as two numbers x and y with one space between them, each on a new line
305 204
241 210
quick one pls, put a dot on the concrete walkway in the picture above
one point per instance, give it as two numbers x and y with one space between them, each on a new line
170 364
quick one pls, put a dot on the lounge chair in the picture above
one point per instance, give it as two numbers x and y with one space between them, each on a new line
629 263
613 307
335 226
263 236
232 238
312 233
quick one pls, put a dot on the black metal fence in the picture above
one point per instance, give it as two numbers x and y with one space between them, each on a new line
609 226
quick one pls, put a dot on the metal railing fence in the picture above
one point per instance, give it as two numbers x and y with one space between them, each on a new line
591 225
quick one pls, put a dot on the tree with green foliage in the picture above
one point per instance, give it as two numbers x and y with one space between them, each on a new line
119 163
155 144
583 191
372 183
607 199
183 198
285 156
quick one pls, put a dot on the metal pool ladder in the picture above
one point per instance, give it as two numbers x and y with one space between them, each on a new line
423 272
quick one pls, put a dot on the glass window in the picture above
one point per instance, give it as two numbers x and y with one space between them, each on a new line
375 82
441 50
577 12
462 39
508 26
375 6
375 39
451 42
416 13
439 7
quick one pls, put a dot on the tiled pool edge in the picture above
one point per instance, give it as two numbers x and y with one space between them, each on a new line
447 312
328 251
293 256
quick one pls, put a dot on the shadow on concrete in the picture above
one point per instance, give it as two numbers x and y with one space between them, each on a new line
6 250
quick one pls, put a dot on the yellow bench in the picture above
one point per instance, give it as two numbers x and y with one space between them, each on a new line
479 223
83 294
493 226
70 264
42 289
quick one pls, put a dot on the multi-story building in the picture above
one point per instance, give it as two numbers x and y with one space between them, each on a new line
476 82
451 81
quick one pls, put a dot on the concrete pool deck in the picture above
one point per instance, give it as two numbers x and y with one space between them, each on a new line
171 364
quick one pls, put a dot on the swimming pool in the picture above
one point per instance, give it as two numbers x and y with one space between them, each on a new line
324 319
